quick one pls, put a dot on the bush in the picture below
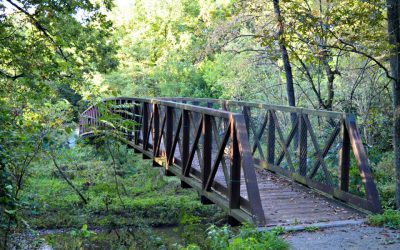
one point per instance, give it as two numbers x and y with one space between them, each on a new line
384 177
390 218
247 238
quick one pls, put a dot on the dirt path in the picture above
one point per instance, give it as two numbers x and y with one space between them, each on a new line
346 237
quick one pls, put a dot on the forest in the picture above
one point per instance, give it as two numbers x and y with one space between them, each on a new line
57 58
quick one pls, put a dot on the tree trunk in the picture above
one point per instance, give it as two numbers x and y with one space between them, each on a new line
330 74
285 56
393 8
286 64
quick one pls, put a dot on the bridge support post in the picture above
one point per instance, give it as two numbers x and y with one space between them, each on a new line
234 182
207 155
247 115
136 118
185 143
302 145
344 160
271 139
169 124
145 125
156 132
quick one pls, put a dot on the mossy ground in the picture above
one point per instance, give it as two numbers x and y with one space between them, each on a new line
128 193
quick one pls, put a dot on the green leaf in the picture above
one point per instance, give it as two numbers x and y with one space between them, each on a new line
10 212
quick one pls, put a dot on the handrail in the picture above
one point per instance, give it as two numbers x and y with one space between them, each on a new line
325 113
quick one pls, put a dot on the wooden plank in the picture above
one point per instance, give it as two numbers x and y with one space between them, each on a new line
320 187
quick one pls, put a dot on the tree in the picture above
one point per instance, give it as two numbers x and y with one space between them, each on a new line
48 51
393 8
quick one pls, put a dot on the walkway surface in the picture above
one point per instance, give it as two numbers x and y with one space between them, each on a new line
348 237
286 202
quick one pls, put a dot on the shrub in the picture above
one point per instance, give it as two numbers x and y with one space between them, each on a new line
247 238
390 218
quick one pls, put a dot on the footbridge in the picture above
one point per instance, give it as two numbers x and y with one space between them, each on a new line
264 164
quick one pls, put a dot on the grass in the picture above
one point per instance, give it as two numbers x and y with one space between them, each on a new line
247 238
139 194
390 218
311 228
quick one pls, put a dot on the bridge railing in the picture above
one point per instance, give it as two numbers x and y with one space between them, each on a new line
320 149
208 149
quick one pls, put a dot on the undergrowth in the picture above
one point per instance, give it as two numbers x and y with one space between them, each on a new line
390 218
125 191
137 205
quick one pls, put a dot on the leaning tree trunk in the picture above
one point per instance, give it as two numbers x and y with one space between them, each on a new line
393 8
286 64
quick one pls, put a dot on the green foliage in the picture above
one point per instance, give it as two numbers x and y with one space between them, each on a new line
384 176
311 228
218 237
128 193
48 53
8 204
389 218
247 238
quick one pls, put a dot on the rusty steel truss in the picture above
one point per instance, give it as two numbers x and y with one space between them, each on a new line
218 148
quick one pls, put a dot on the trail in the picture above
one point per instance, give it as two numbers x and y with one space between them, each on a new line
346 237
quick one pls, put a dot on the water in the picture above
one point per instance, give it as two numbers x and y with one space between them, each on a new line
174 237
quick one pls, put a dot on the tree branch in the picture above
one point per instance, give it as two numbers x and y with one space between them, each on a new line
12 77
67 179
40 27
